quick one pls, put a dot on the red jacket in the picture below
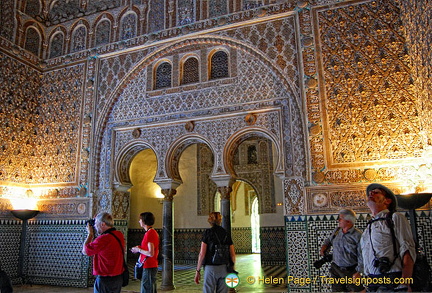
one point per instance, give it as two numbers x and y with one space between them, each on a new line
108 256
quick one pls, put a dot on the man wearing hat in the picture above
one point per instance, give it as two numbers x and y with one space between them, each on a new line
387 244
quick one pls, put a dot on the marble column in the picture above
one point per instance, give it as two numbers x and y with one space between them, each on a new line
225 192
168 240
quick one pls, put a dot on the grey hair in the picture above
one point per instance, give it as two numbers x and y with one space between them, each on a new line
105 218
349 215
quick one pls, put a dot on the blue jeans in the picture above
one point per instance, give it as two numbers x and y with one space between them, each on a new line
148 281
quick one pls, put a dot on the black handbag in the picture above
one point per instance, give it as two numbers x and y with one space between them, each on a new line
138 270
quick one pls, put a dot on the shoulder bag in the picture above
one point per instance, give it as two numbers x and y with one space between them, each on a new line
125 273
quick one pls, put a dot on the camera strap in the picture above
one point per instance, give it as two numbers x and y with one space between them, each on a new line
121 247
334 234
390 224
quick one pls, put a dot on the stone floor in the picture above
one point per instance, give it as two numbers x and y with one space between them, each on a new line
248 266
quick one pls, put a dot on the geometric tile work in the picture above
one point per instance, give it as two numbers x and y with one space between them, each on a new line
273 250
134 238
424 231
297 251
306 234
187 244
54 254
318 229
242 238
10 232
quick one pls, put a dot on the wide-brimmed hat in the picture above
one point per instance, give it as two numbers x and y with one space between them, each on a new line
389 194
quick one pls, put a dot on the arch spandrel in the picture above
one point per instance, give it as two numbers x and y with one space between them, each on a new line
106 103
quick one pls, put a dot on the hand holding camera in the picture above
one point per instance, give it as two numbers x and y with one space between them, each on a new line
90 225
326 258
383 264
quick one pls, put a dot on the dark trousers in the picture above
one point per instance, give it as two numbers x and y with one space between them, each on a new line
108 284
148 281
337 272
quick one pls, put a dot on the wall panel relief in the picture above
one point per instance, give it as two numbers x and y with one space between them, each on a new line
416 20
365 123
367 88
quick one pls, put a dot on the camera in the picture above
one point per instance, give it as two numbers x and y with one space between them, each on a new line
326 258
383 264
91 222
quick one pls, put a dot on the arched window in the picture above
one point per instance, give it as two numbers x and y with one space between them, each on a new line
103 33
190 72
79 39
56 45
219 65
32 41
128 26
163 75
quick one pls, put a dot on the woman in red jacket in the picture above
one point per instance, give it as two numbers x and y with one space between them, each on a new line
149 251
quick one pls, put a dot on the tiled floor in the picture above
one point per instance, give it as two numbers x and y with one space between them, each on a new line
251 276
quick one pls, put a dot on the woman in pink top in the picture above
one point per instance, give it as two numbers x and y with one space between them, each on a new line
149 251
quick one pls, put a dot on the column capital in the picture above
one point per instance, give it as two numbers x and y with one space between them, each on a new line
222 180
121 187
169 194
225 192
168 183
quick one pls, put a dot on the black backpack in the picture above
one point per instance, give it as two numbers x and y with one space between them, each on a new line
221 253
421 270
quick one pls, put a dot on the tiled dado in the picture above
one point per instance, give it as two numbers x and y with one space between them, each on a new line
187 243
52 253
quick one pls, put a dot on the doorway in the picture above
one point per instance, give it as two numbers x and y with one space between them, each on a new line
255 226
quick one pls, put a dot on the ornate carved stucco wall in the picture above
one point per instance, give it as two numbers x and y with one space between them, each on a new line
369 127
417 22
223 100
353 71
339 87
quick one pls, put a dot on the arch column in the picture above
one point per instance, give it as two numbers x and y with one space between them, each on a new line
168 190
225 192
224 184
